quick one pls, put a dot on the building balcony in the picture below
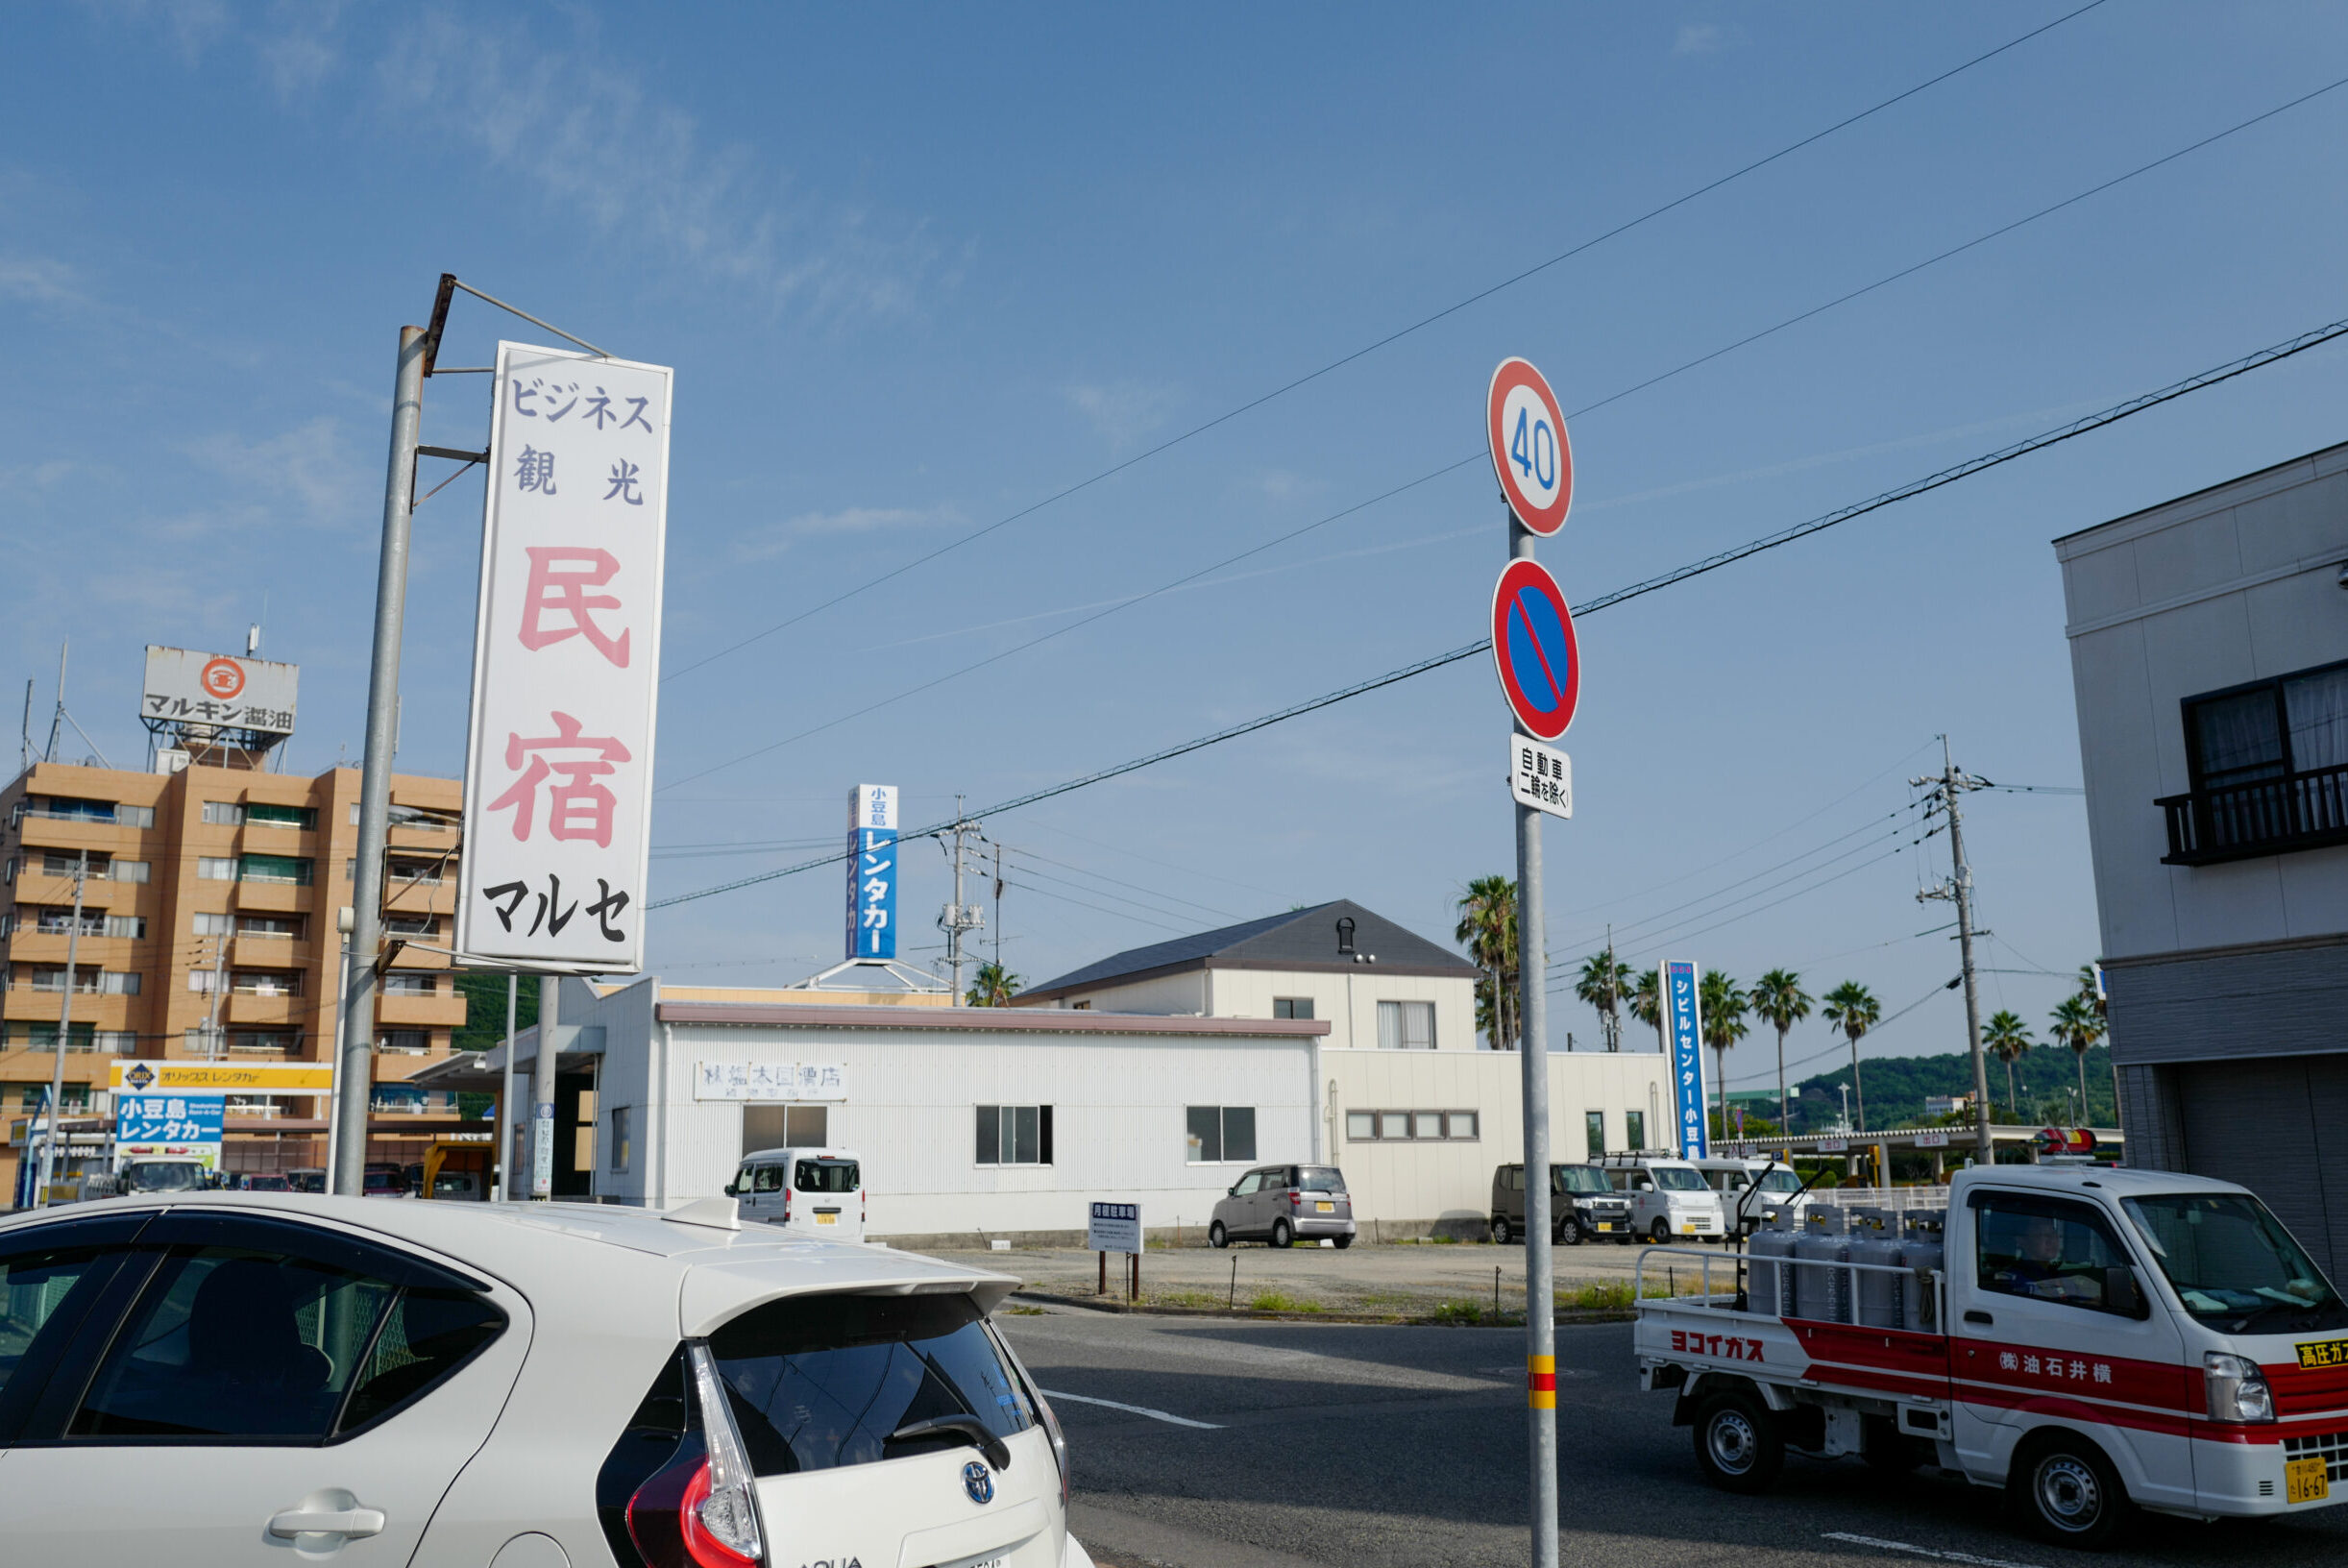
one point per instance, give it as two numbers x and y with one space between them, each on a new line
274 897
46 830
100 892
278 1011
2264 816
443 1011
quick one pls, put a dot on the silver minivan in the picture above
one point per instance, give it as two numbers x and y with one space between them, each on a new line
820 1192
1284 1205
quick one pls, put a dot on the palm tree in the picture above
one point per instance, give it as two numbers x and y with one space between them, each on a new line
2007 1037
1487 929
1853 1008
2076 1025
1604 984
996 987
1778 998
1646 1000
1723 1006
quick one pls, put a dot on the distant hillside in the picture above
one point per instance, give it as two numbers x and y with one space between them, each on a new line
1896 1087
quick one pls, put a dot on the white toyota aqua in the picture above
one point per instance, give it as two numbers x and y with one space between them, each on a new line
232 1377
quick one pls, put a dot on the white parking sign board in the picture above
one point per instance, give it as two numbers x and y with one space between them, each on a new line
1540 776
1114 1227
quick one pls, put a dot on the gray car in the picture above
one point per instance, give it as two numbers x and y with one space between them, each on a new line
1583 1206
1282 1205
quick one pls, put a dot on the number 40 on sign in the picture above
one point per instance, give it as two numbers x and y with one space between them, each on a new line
1540 776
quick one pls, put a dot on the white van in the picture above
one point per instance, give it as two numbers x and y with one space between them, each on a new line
820 1192
1753 1190
1669 1197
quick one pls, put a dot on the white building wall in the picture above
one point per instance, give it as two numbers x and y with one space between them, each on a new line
1166 995
1349 1001
1405 1182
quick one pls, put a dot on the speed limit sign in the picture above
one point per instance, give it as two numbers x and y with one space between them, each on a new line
1529 452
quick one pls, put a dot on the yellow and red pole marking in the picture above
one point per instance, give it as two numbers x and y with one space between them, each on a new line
1541 1383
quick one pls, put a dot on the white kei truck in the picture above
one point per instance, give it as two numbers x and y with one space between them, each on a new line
2094 1341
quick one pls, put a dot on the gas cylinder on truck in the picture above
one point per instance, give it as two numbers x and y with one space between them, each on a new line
1765 1275
1819 1293
1882 1297
1921 1253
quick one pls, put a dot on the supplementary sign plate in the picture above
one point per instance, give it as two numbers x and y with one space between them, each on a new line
1540 776
1533 650
1529 451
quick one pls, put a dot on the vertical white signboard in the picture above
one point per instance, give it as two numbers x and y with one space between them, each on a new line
566 663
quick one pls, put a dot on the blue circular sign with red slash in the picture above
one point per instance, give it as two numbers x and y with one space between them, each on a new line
1533 650
1529 450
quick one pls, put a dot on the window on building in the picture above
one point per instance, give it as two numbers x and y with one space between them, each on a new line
1405 1026
354 814
425 872
785 1127
289 926
1219 1134
1634 1129
266 982
274 869
133 928
1594 1129
55 864
402 1042
411 925
282 1042
75 1098
83 1037
421 821
622 1137
1013 1135
126 871
1411 1126
260 814
2294 724
211 868
1080 1007
204 981
406 983
1292 1007
223 814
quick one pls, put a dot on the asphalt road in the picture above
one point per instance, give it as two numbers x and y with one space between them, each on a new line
1309 1443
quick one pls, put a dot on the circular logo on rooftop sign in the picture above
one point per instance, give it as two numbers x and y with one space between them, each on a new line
224 678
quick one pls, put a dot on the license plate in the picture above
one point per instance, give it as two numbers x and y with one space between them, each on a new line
2322 1352
827 1220
2305 1481
1605 1224
1687 1229
1324 1208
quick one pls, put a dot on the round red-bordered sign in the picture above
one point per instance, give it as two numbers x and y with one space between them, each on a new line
1530 449
1534 650
223 677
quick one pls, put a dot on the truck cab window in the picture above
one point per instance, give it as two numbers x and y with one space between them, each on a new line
2047 1249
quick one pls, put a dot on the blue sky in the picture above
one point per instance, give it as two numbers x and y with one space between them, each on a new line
921 269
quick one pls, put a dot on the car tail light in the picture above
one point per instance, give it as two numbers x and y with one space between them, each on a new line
786 1206
1296 1200
700 1507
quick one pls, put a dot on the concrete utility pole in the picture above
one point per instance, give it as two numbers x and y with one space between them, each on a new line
1533 1018
220 980
64 1030
1960 887
357 1068
958 917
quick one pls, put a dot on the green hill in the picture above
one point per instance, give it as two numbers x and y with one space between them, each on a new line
1896 1087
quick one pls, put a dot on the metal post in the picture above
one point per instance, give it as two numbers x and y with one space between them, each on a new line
505 1097
357 1074
211 1014
1984 1148
342 1037
1532 1014
542 1091
64 1032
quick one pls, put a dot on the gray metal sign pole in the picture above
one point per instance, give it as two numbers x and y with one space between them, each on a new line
542 1091
1532 1014
357 1075
506 1097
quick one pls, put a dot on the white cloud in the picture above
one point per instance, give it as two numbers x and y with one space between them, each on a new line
772 539
1123 411
306 475
40 281
302 53
1706 38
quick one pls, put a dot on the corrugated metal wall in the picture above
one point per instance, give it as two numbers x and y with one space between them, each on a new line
2282 1001
2278 1126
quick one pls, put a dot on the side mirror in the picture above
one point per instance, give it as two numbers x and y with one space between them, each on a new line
1231 1191
2121 1291
729 1189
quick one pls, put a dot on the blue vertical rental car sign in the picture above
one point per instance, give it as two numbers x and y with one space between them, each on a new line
1684 1028
872 857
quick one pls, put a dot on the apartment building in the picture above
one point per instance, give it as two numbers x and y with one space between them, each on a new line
209 899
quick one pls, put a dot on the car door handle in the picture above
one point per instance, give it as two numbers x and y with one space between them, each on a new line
1983 1318
348 1523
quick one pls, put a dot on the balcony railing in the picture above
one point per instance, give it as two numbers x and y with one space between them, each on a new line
2264 816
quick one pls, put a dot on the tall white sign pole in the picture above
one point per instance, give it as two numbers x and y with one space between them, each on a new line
1533 1012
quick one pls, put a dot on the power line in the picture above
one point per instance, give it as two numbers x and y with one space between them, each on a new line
1478 456
1390 339
2271 354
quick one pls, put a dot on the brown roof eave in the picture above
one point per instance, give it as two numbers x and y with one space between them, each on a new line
998 1020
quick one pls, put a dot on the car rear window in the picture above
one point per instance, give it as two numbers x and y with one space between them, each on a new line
825 1175
819 1382
1322 1178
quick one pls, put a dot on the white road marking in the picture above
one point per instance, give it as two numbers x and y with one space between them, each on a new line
1138 1409
1925 1551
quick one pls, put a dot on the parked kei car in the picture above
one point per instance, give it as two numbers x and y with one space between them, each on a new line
311 1378
818 1192
1284 1205
1583 1206
1669 1197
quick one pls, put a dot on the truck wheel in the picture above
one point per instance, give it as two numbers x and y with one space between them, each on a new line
2064 1492
1217 1236
1660 1233
1282 1235
1501 1233
1739 1445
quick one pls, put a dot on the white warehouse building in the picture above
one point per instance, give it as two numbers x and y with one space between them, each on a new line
1156 1077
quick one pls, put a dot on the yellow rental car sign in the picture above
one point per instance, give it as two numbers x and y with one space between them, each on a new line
218 1077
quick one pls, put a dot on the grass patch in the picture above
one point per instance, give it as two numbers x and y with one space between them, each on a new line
1181 1298
1024 1312
1274 1301
1466 1313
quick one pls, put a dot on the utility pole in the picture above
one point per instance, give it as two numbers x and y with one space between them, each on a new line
1960 888
1532 1053
211 1017
357 1075
958 917
65 1030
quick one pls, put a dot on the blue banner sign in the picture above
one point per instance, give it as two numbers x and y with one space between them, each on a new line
168 1118
1684 1031
872 871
